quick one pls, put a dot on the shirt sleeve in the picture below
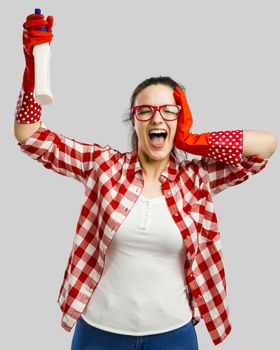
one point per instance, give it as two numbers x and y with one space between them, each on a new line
61 154
221 176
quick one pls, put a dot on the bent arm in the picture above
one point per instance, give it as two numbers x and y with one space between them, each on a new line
258 143
257 147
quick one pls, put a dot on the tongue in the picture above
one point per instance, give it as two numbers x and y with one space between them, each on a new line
157 140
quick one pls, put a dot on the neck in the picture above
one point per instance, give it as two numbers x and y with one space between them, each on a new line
152 168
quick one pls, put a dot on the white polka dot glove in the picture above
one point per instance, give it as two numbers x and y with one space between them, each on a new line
225 146
28 111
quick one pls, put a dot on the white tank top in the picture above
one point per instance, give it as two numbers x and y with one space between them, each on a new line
142 289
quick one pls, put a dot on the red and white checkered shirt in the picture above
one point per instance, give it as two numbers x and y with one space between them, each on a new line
113 182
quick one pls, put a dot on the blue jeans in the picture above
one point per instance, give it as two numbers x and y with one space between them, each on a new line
87 337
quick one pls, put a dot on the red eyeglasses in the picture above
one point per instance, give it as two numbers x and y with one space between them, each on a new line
146 112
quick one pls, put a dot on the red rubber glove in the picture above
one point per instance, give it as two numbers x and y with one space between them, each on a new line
32 36
226 146
28 111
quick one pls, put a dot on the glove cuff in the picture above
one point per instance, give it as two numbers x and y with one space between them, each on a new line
27 111
226 146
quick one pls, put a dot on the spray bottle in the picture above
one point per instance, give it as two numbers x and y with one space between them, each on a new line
42 58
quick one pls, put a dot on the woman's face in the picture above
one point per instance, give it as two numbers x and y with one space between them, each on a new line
152 147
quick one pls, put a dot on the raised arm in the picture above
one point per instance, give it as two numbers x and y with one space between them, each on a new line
257 147
56 152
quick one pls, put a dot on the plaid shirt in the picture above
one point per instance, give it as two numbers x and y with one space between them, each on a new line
113 182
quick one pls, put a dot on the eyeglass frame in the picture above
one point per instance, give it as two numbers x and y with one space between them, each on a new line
155 108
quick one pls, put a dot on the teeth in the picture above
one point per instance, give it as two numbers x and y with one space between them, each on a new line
157 132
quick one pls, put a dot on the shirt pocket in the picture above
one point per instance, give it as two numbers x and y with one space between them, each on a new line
196 212
196 207
203 216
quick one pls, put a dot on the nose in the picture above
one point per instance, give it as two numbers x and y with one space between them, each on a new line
157 116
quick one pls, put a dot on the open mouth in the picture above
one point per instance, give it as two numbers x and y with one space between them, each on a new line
157 137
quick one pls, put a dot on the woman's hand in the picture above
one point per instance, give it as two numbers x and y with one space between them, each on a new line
184 140
32 36
185 118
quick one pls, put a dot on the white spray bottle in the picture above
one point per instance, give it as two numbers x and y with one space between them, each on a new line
42 57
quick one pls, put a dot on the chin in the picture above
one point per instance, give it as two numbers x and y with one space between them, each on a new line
158 154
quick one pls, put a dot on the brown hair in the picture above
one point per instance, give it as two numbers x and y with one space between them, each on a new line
129 118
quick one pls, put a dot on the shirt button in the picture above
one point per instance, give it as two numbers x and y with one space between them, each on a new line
168 193
176 214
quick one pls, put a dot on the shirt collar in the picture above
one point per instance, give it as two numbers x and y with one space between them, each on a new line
170 172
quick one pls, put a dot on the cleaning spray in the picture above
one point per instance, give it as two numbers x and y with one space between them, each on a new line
42 57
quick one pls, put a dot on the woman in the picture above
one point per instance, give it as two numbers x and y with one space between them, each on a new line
151 215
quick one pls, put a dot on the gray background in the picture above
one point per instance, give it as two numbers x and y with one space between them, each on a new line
226 53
